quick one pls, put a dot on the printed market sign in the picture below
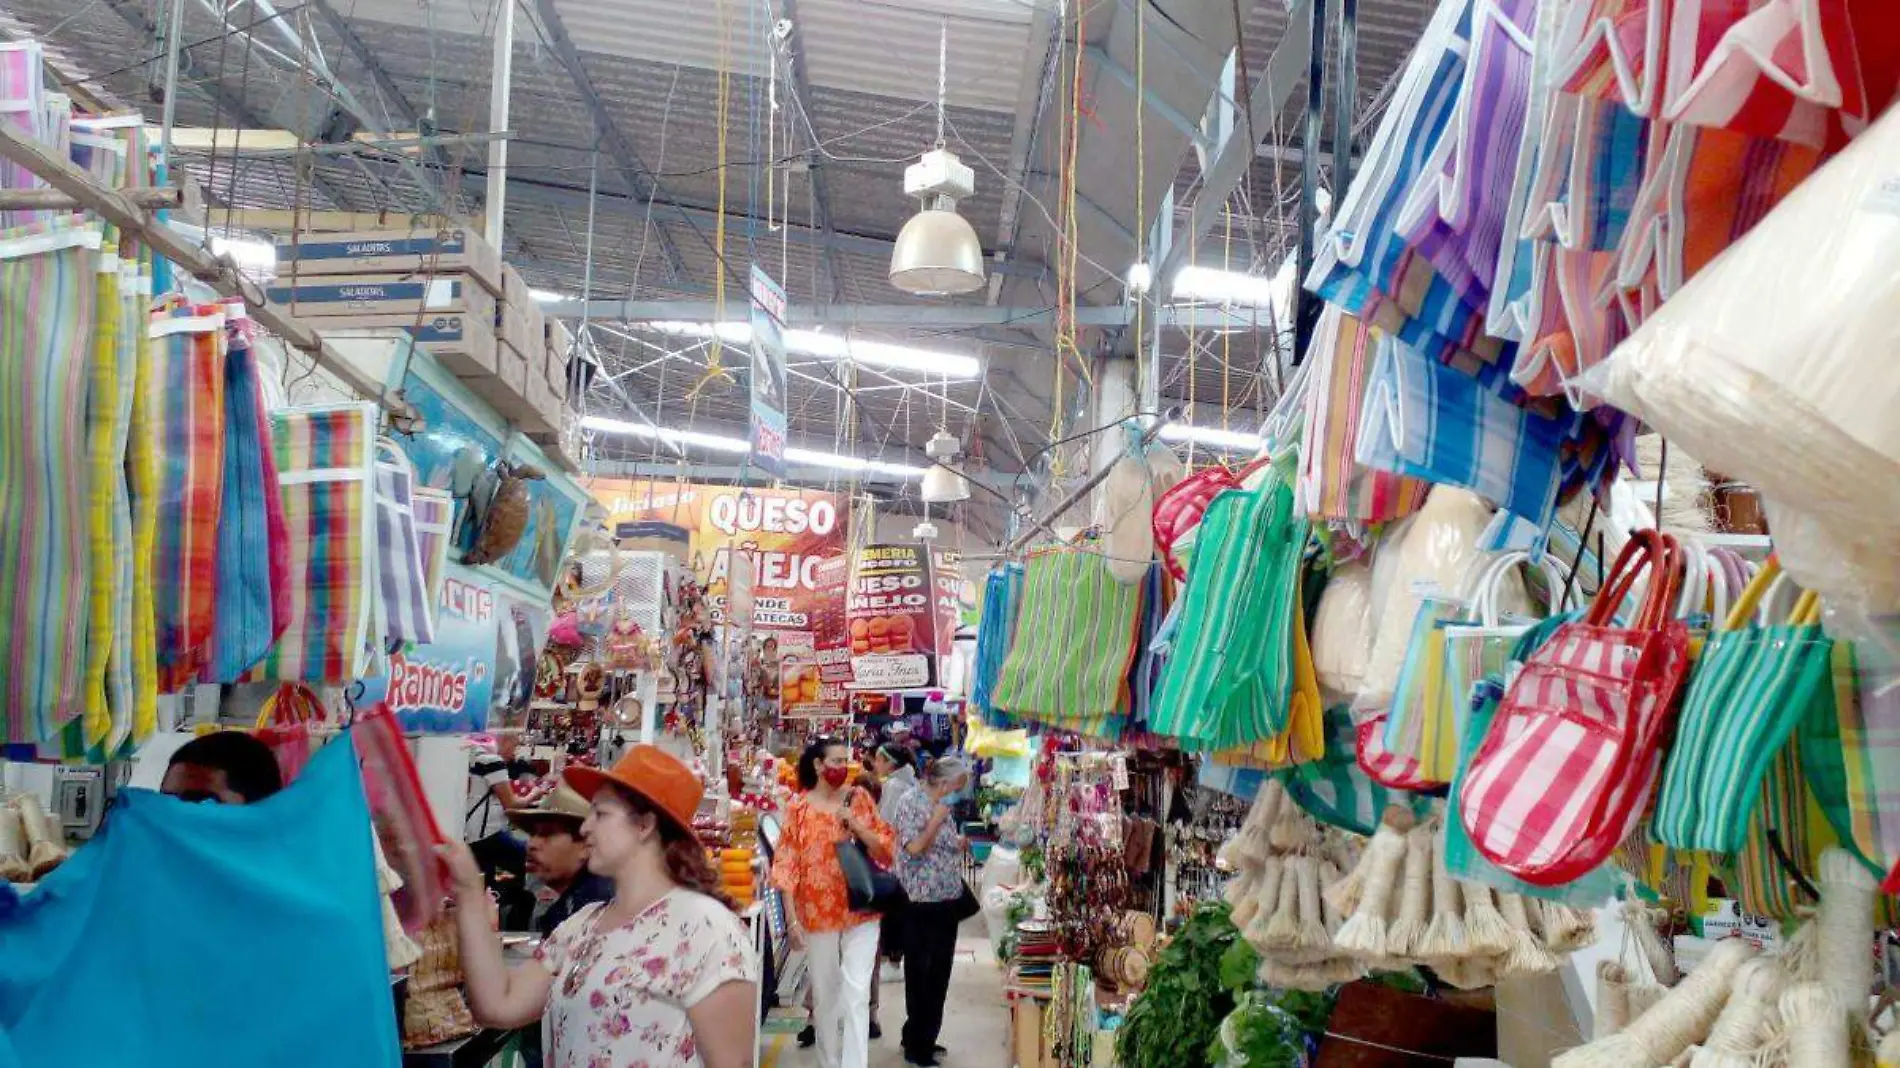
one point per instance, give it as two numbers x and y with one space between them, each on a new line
448 685
768 373
824 672
891 617
786 533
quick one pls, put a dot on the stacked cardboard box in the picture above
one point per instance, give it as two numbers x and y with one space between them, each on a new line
450 289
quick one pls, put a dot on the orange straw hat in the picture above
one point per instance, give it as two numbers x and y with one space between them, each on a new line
655 775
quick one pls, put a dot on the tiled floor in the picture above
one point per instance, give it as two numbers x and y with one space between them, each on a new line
975 1023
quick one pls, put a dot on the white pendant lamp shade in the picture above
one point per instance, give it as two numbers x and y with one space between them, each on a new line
937 252
943 483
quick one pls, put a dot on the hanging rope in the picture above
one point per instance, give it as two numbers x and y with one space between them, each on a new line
722 110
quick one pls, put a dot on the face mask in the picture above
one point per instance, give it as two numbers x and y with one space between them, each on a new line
836 776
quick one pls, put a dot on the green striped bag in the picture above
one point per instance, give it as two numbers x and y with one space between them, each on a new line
1075 637
1229 676
1335 790
1752 686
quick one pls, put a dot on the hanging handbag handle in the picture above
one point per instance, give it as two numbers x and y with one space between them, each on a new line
1745 606
1622 577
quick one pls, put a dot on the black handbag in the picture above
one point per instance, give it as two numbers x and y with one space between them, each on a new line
867 887
965 906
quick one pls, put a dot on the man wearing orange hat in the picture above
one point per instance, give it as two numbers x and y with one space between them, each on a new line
662 975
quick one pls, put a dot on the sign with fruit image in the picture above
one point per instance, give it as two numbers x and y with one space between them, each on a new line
891 617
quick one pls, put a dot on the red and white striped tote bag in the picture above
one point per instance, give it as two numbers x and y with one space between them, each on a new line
1574 753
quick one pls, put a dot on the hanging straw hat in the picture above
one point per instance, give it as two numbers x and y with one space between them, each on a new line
655 775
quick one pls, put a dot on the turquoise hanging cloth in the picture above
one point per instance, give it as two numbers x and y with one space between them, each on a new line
194 934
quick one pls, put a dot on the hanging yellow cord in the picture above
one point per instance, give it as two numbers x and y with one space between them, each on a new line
715 367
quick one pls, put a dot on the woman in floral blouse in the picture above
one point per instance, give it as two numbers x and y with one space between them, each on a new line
662 976
841 945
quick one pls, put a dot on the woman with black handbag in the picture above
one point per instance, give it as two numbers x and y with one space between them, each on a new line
930 864
832 864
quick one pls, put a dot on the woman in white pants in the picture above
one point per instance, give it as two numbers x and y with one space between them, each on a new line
840 945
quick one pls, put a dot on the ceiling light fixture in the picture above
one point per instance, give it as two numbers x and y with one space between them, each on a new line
943 481
547 296
259 257
834 347
739 446
1231 440
937 252
1140 277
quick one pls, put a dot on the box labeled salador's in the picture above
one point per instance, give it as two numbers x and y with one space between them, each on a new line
453 250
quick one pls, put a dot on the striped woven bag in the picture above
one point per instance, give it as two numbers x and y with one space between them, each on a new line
189 342
325 465
1075 639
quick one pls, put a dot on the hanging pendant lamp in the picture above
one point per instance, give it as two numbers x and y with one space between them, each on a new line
943 482
937 253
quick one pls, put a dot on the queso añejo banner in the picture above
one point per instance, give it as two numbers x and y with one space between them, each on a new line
786 531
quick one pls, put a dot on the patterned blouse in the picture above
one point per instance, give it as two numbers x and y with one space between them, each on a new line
805 866
620 996
938 874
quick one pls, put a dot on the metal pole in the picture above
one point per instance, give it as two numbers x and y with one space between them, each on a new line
1022 540
174 43
1307 307
1345 97
499 88
587 274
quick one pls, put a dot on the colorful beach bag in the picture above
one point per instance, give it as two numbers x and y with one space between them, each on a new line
1574 754
325 462
1075 639
405 611
1752 687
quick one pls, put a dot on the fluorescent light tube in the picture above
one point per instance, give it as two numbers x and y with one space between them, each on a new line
1231 440
835 347
547 296
721 443
259 256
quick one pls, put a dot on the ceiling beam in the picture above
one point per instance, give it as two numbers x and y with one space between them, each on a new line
564 197
697 469
1224 173
189 71
632 171
916 315
820 184
1110 66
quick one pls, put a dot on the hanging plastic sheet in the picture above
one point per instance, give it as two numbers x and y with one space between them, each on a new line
159 942
48 290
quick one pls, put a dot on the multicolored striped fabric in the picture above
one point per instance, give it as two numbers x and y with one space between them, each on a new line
89 737
1333 487
48 315
1075 637
252 554
1429 421
435 523
1002 596
1335 790
1750 689
1229 670
325 465
1852 757
406 612
122 676
23 105
143 490
191 438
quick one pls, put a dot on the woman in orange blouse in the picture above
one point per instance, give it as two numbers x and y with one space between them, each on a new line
840 945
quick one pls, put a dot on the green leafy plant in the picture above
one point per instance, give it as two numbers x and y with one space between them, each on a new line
1191 989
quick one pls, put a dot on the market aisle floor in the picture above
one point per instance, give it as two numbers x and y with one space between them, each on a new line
975 1018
